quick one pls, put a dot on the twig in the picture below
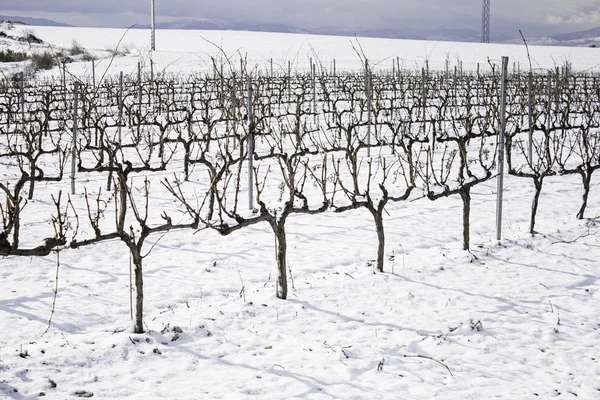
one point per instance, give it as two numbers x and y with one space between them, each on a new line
527 47
242 290
114 54
583 235
429 358
55 290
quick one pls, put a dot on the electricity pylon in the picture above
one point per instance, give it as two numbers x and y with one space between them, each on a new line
485 22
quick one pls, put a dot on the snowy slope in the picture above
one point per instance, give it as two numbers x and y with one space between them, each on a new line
512 319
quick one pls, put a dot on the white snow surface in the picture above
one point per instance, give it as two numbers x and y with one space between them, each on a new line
517 318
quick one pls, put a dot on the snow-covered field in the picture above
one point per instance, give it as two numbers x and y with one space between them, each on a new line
514 319
182 51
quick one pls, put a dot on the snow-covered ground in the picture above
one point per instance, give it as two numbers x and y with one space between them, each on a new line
182 51
514 319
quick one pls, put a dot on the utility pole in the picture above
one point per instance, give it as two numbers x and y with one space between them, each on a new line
485 22
153 40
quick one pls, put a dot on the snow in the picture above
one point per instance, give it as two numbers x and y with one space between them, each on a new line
179 51
517 318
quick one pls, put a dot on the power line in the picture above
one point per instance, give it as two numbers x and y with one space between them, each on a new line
559 8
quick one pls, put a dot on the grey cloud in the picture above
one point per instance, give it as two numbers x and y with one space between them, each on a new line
396 14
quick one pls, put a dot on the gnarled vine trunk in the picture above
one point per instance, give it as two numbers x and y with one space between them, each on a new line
465 195
538 183
281 285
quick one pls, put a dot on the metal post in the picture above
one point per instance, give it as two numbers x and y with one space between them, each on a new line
455 88
250 147
368 93
234 107
335 80
478 84
501 148
424 95
120 104
74 143
139 98
531 122
549 102
314 87
22 88
94 75
153 38
64 78
289 79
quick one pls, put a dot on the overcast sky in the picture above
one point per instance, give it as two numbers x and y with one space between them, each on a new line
534 17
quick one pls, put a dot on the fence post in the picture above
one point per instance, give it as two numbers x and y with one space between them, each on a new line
250 147
501 148
74 143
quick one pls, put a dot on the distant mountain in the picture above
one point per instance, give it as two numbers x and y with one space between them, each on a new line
199 24
441 33
589 34
31 21
586 38
210 24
